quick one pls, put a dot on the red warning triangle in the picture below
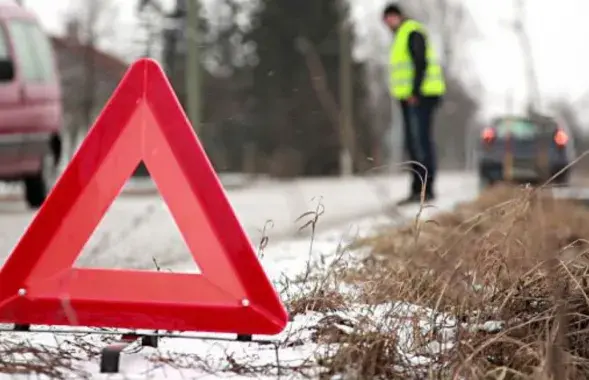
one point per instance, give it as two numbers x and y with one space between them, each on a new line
143 120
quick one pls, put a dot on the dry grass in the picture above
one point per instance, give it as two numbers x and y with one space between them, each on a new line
495 289
57 359
509 268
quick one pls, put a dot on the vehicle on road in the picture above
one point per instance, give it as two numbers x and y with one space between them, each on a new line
30 104
525 150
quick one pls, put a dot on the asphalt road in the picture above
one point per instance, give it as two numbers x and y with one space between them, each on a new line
138 229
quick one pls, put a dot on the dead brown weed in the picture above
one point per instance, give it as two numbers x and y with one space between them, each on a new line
515 258
501 282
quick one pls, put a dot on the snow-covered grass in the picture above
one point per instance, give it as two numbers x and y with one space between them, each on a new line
511 268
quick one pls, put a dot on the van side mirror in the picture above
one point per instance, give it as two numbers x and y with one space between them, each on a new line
6 70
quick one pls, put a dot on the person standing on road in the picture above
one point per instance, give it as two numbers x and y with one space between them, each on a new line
417 81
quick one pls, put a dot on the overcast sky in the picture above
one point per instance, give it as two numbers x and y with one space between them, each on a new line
556 28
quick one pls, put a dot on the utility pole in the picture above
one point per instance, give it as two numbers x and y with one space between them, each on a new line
348 151
193 74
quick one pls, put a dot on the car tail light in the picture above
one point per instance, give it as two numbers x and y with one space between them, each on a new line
488 135
561 138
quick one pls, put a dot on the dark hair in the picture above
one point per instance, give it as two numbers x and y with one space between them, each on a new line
392 8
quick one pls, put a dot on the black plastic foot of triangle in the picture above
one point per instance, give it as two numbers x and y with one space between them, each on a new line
110 357
244 338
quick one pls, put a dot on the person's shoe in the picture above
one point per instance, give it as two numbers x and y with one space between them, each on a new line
411 199
416 199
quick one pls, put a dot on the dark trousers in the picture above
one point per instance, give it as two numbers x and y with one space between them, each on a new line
419 141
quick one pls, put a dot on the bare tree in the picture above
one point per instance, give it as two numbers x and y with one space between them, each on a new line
327 99
150 15
92 22
381 105
450 22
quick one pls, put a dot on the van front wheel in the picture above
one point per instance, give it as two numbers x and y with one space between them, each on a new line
37 186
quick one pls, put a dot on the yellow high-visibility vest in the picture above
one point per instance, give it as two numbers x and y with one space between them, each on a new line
402 68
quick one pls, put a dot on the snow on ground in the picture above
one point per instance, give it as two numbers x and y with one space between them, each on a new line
181 358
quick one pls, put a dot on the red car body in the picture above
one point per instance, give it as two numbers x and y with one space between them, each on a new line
30 103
